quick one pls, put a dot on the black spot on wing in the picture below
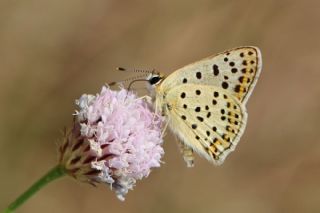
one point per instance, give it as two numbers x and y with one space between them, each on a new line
198 75
225 85
215 70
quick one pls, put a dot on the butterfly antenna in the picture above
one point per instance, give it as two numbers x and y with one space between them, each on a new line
134 78
131 80
131 83
135 70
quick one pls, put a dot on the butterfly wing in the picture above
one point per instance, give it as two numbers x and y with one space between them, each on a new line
235 71
206 118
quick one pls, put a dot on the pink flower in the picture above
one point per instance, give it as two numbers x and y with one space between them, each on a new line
116 139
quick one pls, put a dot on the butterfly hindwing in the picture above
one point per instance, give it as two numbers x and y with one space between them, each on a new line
206 118
235 71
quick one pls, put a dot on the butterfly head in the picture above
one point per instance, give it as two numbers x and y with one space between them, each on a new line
155 79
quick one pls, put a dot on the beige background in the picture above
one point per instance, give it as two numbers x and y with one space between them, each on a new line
53 51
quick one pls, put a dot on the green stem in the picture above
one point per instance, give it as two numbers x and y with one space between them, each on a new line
53 174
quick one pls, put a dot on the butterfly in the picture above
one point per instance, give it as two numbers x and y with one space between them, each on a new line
205 102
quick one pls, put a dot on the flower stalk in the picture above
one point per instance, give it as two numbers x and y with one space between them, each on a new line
53 174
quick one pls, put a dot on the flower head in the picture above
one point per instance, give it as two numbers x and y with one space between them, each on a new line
116 139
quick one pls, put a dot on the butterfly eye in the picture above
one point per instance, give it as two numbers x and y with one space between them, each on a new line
154 80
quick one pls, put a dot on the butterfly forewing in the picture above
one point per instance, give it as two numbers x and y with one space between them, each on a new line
235 71
207 118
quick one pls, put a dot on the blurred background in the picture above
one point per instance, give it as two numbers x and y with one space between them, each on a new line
53 51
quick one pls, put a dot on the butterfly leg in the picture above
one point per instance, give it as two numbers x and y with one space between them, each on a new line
165 128
187 153
156 111
147 98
